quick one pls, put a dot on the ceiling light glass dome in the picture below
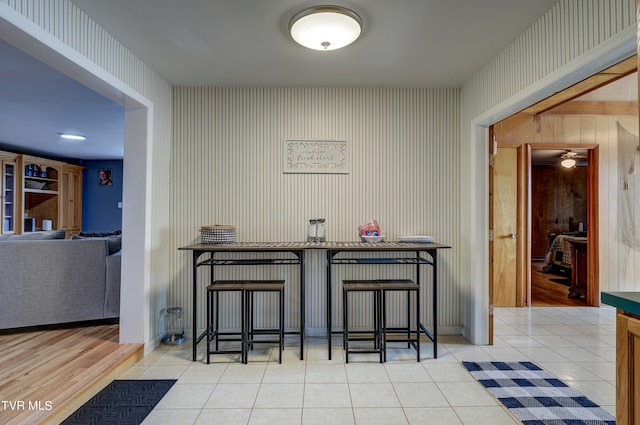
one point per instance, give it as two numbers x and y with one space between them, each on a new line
325 27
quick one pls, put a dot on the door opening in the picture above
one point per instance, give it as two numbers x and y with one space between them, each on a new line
561 195
572 119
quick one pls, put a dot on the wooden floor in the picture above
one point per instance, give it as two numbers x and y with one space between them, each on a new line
545 293
45 375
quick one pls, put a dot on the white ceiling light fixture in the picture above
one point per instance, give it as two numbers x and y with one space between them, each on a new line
72 136
568 159
325 27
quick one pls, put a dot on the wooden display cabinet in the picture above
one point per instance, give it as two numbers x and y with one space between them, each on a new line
41 190
10 221
71 205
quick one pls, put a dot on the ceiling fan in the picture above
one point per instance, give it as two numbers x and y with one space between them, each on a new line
568 158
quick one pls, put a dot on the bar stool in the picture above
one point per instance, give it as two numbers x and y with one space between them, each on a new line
406 333
213 318
250 288
372 286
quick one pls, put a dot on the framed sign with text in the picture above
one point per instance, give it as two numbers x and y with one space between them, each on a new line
316 156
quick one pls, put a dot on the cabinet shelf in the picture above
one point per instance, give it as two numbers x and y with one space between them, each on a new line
40 179
43 192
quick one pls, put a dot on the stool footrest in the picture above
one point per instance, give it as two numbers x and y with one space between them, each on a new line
363 351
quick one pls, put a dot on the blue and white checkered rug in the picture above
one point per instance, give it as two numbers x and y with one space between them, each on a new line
535 396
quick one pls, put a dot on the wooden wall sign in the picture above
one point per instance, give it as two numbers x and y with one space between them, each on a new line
316 156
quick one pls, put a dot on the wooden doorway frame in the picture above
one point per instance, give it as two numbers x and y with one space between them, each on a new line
593 239
521 293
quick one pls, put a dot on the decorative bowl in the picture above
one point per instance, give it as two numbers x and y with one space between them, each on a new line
372 238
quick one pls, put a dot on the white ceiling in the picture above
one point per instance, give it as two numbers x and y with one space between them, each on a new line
405 43
552 157
38 103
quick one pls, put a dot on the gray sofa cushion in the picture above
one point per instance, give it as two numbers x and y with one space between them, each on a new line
114 243
99 234
112 290
51 281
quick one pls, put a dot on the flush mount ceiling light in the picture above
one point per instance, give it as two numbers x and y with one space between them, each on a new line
325 27
71 136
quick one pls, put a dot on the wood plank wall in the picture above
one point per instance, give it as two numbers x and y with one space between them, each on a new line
619 264
558 203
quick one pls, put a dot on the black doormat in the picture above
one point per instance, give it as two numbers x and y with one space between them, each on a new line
565 282
122 402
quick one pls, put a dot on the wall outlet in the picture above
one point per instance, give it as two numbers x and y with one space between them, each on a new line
120 204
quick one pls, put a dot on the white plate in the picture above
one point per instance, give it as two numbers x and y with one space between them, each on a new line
416 239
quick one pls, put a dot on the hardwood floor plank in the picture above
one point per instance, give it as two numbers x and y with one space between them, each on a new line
546 293
58 370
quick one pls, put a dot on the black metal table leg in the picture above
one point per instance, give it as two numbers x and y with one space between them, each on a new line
435 303
329 300
195 303
302 303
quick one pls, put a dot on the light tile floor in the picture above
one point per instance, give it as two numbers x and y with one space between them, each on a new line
577 344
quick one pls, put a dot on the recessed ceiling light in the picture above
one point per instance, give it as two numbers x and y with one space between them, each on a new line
325 27
71 136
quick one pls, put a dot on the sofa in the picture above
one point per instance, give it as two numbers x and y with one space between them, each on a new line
47 279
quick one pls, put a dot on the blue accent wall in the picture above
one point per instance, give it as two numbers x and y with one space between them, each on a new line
100 212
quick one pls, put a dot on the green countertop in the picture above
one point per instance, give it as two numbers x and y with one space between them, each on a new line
627 301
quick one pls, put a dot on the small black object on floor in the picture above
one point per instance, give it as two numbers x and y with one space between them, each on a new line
122 402
565 282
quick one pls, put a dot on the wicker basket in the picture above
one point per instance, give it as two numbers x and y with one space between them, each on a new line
217 234
31 184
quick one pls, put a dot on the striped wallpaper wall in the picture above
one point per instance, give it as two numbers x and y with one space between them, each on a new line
63 20
228 169
564 33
